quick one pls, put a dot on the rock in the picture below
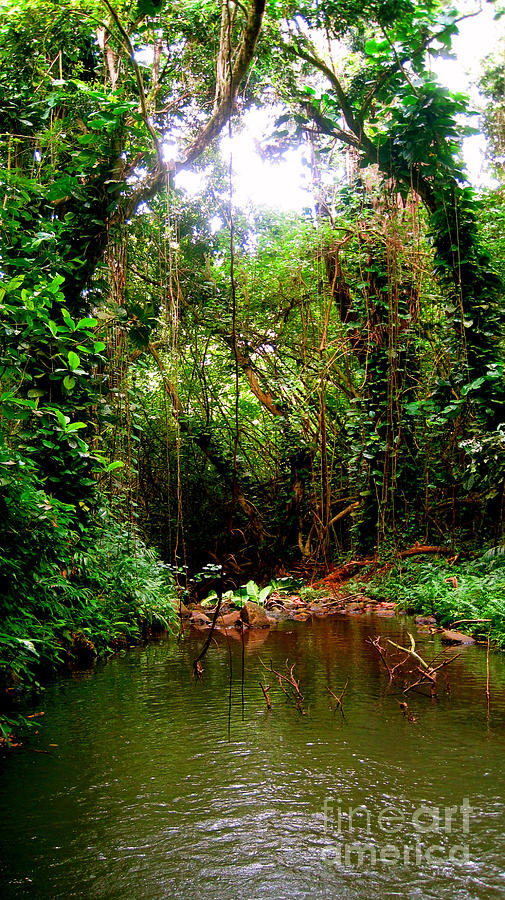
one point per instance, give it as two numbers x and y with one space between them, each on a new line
230 619
183 611
254 615
355 607
316 609
426 620
278 615
199 618
455 637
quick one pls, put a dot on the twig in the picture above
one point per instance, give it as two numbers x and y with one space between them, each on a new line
265 689
412 652
430 675
339 699
197 667
293 693
380 650
488 693
242 674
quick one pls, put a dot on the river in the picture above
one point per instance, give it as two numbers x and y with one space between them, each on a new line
139 785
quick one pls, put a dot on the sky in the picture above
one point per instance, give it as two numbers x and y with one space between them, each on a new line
477 38
286 184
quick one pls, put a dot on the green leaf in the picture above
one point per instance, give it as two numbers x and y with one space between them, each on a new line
69 322
373 47
69 383
264 593
87 323
117 464
14 283
73 360
252 590
27 645
62 420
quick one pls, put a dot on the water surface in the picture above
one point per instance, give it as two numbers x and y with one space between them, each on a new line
146 796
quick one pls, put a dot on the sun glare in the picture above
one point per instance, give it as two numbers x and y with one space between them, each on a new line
282 180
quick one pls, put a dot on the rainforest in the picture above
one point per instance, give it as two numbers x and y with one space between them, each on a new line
196 394
242 435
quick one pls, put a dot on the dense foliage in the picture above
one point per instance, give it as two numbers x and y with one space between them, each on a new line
254 389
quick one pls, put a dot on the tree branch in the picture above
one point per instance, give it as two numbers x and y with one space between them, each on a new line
223 106
354 122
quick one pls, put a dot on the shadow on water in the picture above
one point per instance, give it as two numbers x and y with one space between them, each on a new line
144 796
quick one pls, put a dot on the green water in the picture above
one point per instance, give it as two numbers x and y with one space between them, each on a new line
145 796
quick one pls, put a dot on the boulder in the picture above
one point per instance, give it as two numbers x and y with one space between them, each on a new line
254 615
456 637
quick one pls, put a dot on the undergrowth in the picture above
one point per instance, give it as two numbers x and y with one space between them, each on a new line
70 593
465 590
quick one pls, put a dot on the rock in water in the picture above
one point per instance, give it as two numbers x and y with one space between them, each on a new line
229 619
455 637
254 615
199 618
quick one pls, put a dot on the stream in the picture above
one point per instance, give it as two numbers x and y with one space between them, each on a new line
139 785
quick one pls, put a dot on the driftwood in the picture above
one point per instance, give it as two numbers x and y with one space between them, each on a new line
427 671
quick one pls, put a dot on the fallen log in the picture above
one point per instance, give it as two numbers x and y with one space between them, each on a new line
422 548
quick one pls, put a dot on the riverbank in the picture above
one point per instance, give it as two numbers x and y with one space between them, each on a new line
74 605
135 592
463 591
